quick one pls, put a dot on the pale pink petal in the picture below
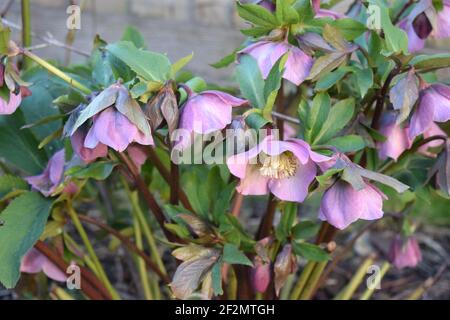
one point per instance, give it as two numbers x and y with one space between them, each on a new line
298 66
253 183
11 106
397 138
294 188
422 118
88 155
441 100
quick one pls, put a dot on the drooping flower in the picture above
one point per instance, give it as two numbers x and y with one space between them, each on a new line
434 130
267 53
342 204
48 182
424 21
117 120
260 275
324 13
35 262
207 112
351 196
397 139
11 92
86 154
417 26
137 155
434 105
442 29
285 168
404 252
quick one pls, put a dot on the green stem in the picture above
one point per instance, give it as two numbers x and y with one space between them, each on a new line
310 286
26 30
56 72
145 227
349 290
369 291
87 243
304 276
140 262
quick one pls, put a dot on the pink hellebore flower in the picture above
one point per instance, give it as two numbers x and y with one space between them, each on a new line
404 252
35 262
286 168
267 53
417 26
442 30
434 105
208 111
53 175
112 128
11 105
260 275
434 130
323 13
86 154
397 139
342 204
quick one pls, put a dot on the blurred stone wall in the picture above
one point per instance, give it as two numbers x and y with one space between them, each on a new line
209 28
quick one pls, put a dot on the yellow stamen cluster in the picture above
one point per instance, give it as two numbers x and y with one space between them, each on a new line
278 167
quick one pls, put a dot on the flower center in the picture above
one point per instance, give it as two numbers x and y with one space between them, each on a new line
278 167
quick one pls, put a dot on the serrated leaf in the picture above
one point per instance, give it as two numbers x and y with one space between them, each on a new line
257 15
329 80
133 35
232 255
149 65
310 251
225 61
285 13
23 222
364 80
349 28
9 183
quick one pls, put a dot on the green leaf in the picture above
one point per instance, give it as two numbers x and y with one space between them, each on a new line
19 148
305 230
349 28
149 65
225 61
427 63
180 64
325 64
329 80
24 221
216 273
257 15
255 120
232 255
396 39
384 179
364 80
310 251
340 114
317 115
256 32
9 183
350 143
132 35
98 170
285 13
250 81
